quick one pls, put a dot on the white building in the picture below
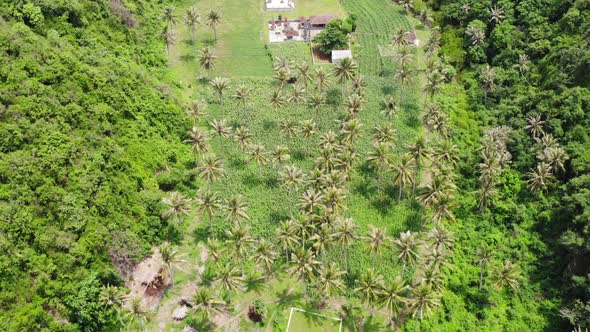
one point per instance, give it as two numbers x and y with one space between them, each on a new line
338 55
280 5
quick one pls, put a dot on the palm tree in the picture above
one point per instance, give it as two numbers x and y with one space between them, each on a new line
539 176
375 239
497 15
392 299
169 16
389 107
213 20
220 85
334 200
407 245
434 82
330 280
508 275
419 151
292 178
322 79
306 227
207 60
288 128
487 75
535 125
304 73
243 136
178 206
384 134
304 266
211 169
441 238
443 208
282 75
379 157
216 249
404 174
137 311
210 202
240 240
196 109
316 101
112 297
359 84
204 301
353 104
422 300
523 66
484 255
399 38
486 193
370 285
229 278
322 239
345 71
243 95
170 259
258 153
298 94
191 19
476 35
170 39
555 156
236 209
311 200
345 235
405 75
351 129
308 128
264 256
221 129
277 100
279 155
287 236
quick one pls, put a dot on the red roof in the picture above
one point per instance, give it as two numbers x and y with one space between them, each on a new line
411 36
321 19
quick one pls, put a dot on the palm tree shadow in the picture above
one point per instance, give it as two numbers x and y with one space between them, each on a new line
288 297
209 41
208 277
372 324
256 284
187 58
188 42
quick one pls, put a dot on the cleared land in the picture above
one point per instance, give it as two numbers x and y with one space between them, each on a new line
311 322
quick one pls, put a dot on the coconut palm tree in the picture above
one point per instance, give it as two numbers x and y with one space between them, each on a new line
403 172
430 275
359 84
322 79
178 206
443 208
345 234
351 129
370 285
399 38
288 128
422 301
265 256
308 128
221 129
486 193
277 100
535 125
205 301
211 169
112 297
236 209
322 239
306 227
344 71
220 85
311 200
405 76
405 56
315 102
555 156
282 75
476 35
496 15
170 259
279 155
487 75
434 81
241 242
297 95
539 177
169 16
243 136
242 95
407 245
169 37
196 110
282 63
375 240
304 266
258 154
213 20
484 256
191 19
523 66
136 311
229 278
207 60
334 200
330 280
389 107
292 178
441 238
304 75
216 249
508 275
353 104
384 134
209 202
287 236
392 298
379 157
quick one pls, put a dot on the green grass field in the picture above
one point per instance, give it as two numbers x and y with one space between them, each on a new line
244 59
310 322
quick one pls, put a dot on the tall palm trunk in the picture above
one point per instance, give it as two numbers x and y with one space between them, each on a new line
403 267
480 276
210 223
399 196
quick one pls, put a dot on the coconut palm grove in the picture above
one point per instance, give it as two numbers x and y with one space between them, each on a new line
335 165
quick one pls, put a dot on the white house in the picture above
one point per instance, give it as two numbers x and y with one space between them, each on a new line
280 5
338 55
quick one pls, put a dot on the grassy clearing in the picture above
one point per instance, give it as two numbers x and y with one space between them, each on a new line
310 322
311 7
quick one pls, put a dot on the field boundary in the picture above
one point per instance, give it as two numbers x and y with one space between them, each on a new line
311 313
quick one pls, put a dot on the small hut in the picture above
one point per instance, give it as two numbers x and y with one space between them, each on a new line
412 39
